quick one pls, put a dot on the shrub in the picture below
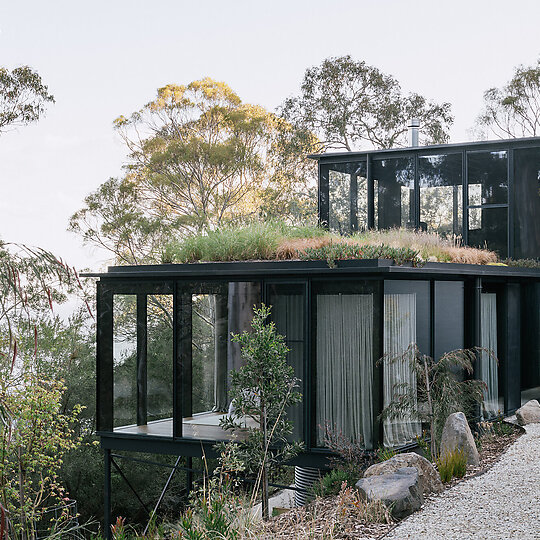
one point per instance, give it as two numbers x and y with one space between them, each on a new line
331 484
452 465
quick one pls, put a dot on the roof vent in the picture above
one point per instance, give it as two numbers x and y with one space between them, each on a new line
414 128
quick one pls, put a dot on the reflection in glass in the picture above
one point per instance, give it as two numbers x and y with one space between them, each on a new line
160 357
441 195
490 171
527 203
347 191
125 359
394 183
288 314
488 228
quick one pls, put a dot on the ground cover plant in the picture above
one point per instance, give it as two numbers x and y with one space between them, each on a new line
277 241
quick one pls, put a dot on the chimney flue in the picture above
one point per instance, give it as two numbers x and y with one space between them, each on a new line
414 127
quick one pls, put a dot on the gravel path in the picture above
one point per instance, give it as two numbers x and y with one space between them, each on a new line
503 503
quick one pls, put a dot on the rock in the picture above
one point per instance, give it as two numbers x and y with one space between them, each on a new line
400 490
457 434
430 481
529 413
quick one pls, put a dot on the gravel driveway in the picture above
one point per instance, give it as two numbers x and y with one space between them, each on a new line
500 504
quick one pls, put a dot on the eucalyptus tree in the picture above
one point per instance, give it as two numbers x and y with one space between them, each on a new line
198 158
347 103
23 97
514 109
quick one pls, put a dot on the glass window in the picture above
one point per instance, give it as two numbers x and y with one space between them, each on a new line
530 354
527 203
288 312
347 197
441 194
344 341
406 325
449 317
488 227
124 360
209 314
488 361
160 359
394 187
487 177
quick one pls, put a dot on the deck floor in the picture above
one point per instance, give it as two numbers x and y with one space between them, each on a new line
203 426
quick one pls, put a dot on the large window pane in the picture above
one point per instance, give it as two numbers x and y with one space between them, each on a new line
347 188
124 359
441 194
160 358
210 313
394 186
449 317
406 324
530 354
487 178
344 365
527 203
288 313
488 227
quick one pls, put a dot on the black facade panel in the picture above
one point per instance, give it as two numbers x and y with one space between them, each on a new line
449 315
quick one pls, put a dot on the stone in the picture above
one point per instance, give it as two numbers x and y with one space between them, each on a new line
529 413
430 481
400 491
457 434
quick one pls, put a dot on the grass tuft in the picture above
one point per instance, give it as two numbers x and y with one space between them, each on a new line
452 465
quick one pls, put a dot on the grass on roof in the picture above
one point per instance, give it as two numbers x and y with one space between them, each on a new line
276 241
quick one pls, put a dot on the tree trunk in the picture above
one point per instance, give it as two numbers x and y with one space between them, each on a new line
264 468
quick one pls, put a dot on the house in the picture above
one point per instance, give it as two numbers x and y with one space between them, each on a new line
163 331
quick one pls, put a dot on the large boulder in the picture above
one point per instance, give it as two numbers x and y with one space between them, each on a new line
400 490
529 413
457 434
430 481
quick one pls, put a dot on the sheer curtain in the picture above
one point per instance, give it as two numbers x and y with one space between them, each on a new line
345 365
488 362
399 334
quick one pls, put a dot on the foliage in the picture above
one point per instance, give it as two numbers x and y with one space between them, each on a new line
384 454
452 465
349 453
261 390
199 159
514 109
332 482
341 250
523 263
276 241
439 390
35 437
23 97
346 102
423 443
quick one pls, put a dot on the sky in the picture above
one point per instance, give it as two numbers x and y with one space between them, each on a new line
101 59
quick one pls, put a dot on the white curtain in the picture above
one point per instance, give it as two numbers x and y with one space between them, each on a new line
488 362
399 335
345 365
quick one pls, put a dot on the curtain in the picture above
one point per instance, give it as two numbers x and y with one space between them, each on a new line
345 365
288 315
399 334
488 362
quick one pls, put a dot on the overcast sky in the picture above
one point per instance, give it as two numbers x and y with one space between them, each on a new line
102 58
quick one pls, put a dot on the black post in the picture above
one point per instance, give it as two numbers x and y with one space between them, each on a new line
107 496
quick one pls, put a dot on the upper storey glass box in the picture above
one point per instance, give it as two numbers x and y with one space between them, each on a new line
485 193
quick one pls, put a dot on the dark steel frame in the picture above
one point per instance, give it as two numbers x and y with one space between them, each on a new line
173 279
325 162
